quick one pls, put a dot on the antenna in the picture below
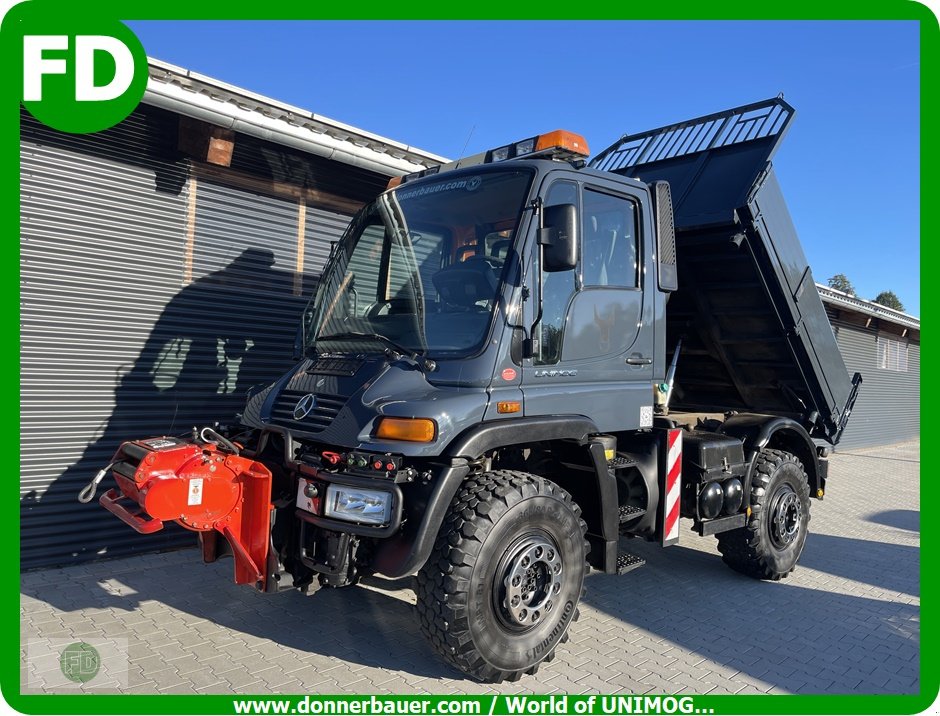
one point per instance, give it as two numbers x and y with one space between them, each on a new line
467 142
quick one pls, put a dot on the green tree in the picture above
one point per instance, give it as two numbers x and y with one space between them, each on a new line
889 299
840 282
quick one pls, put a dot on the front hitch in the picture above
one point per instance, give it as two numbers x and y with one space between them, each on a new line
204 488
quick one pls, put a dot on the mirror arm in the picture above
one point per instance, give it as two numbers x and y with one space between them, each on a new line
530 342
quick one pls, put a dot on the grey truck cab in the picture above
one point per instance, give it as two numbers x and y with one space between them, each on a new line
517 359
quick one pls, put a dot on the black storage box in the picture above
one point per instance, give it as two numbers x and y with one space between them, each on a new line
710 456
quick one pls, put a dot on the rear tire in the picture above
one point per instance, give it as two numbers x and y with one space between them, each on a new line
503 582
769 546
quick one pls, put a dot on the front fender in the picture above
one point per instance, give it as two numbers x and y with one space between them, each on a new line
406 552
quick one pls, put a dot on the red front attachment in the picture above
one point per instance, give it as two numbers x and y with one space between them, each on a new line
201 488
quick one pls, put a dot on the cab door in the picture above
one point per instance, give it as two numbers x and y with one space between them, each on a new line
594 354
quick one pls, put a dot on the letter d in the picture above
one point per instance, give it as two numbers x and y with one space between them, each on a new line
303 706
85 88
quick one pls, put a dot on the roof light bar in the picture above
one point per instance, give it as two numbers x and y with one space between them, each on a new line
559 145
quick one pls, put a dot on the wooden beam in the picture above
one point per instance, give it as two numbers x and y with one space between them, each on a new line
270 187
189 250
206 142
301 231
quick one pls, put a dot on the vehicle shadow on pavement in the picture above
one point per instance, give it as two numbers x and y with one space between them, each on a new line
683 614
890 567
361 625
805 639
901 519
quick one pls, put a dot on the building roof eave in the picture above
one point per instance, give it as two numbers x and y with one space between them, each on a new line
194 95
869 308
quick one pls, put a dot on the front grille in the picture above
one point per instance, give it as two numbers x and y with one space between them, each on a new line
320 418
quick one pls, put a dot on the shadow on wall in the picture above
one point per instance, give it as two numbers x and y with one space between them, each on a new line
219 336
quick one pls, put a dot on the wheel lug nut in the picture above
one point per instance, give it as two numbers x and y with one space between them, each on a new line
523 614
514 602
516 581
525 561
535 616
538 552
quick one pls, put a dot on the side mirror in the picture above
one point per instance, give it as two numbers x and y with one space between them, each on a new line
559 237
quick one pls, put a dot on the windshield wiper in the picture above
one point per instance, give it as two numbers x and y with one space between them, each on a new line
394 351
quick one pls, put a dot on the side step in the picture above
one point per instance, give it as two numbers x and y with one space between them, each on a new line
630 512
621 462
627 562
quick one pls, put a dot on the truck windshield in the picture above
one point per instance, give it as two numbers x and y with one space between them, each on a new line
420 267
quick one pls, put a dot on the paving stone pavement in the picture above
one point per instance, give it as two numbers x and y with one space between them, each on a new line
847 621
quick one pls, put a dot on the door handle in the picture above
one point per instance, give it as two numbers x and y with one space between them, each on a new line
639 360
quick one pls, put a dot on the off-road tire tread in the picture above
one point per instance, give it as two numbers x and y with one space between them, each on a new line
443 582
743 549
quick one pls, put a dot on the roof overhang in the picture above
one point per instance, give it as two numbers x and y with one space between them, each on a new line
193 95
868 308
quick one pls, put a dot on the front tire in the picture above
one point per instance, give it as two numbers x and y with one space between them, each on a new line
504 580
769 546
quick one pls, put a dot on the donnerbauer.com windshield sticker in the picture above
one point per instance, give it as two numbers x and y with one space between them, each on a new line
468 184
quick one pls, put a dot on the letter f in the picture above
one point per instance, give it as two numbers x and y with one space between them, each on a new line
34 66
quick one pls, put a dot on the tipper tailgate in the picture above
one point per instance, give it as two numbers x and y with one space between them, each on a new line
756 337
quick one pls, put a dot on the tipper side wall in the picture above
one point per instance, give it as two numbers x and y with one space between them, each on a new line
755 335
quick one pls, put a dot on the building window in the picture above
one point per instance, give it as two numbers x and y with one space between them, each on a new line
892 355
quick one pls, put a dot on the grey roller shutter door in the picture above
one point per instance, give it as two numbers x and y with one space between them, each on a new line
323 228
888 406
151 301
102 238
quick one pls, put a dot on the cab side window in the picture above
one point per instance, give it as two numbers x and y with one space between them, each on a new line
609 255
557 288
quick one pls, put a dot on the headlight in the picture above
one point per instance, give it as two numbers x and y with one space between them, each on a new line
349 503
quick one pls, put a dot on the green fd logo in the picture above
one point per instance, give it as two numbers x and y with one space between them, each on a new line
81 73
35 66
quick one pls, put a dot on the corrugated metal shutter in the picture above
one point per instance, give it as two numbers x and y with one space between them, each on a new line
153 298
241 312
103 223
323 228
888 406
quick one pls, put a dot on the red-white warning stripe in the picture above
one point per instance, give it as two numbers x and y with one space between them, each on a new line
673 485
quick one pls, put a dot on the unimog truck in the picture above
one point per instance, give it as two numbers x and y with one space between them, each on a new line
513 364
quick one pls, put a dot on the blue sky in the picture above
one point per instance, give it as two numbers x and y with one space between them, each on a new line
849 166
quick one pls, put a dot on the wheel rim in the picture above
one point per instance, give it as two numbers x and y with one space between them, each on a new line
786 517
528 581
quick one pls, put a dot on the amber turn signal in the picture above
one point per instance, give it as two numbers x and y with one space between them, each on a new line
415 430
509 406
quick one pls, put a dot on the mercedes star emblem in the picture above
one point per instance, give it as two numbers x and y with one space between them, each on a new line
305 406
